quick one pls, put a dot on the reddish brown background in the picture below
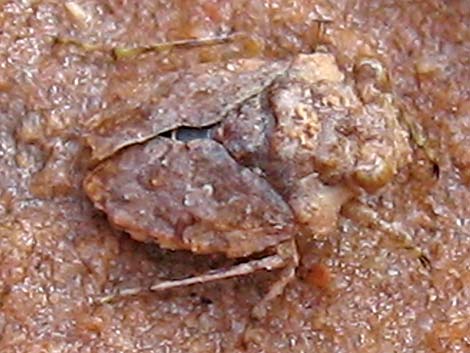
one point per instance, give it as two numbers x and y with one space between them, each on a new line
362 295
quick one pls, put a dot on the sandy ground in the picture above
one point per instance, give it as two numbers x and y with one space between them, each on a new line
355 291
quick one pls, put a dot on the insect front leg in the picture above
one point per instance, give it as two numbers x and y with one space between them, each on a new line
368 217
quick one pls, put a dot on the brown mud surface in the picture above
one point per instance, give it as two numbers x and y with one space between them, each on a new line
355 292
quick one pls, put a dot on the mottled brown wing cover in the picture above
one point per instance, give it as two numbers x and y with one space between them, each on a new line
191 196
196 97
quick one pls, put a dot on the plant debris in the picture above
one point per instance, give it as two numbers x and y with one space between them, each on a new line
124 52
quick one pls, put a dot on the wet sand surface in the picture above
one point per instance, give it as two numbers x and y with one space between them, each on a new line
354 292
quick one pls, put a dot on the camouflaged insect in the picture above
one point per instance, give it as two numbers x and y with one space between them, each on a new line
239 158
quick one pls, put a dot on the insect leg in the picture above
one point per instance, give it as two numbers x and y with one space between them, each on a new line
266 263
288 251
365 215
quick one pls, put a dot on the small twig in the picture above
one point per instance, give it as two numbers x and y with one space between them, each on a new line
126 52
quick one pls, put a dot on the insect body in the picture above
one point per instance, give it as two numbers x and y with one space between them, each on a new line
285 145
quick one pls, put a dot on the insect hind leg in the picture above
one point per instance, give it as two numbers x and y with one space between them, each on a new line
281 259
265 263
288 251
